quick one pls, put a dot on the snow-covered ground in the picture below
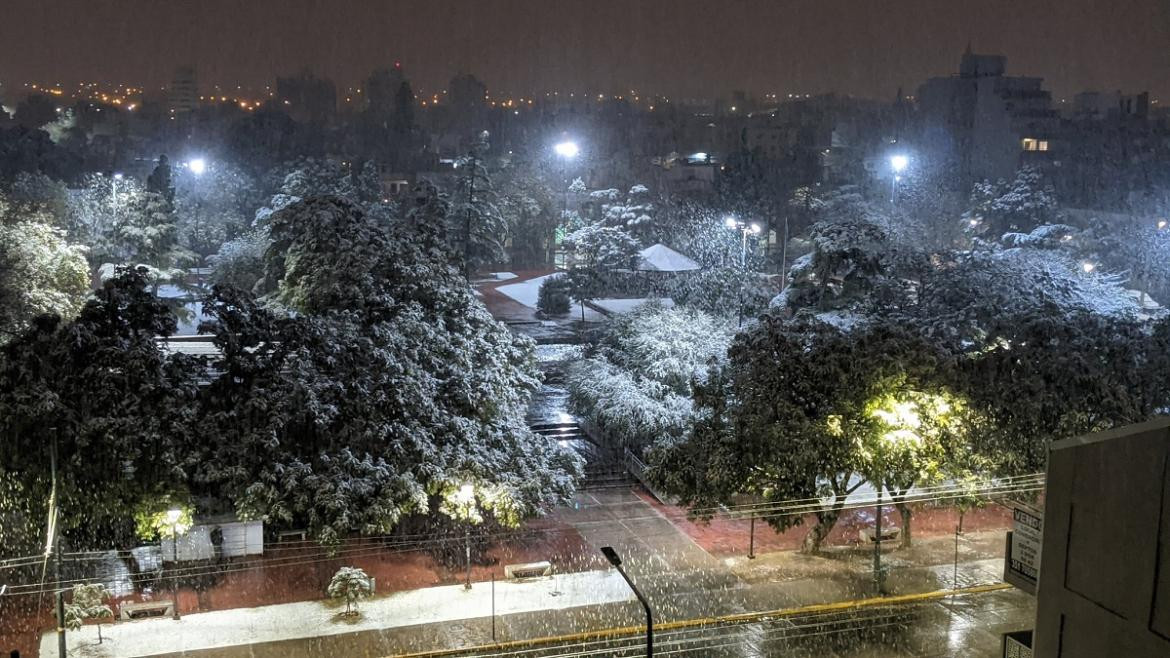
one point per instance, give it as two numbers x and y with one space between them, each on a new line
623 306
308 619
525 292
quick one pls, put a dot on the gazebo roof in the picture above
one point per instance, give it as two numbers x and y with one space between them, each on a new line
661 258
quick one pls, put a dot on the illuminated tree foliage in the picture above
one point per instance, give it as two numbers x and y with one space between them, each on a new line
117 408
798 414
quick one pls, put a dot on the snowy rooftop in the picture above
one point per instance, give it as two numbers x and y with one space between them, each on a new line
661 258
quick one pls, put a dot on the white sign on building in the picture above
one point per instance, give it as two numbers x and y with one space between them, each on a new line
1023 568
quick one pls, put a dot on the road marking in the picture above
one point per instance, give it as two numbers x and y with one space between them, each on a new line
741 618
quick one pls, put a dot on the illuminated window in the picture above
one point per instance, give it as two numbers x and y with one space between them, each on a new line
1033 144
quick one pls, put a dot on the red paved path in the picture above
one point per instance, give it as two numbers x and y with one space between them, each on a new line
503 307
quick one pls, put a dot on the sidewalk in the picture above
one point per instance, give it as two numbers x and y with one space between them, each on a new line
266 625
300 573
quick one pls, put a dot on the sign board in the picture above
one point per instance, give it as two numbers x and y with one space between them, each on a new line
1023 554
1017 644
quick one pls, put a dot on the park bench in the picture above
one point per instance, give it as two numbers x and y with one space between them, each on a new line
888 534
528 570
288 535
144 609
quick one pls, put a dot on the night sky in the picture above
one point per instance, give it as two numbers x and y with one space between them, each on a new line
677 47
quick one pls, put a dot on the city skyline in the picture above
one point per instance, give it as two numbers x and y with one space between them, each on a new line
685 49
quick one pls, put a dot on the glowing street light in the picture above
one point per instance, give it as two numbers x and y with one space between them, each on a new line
173 516
466 496
1088 267
197 166
744 228
898 163
567 149
1161 224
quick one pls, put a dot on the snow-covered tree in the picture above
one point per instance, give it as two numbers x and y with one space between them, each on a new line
87 602
40 272
149 236
803 400
477 228
214 206
638 387
1016 206
116 406
239 262
553 297
350 584
389 382
97 209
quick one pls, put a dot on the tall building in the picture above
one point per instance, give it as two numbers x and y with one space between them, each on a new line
987 122
307 98
380 88
183 94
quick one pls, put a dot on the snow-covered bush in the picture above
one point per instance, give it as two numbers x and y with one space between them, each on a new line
632 411
88 603
553 296
351 584
671 346
240 261
638 388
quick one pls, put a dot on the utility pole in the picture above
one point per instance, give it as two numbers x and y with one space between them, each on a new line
59 586
878 577
467 217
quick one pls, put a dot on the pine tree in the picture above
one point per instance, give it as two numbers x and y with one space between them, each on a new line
479 228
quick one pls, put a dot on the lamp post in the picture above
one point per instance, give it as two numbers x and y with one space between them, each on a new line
616 561
567 151
744 228
467 497
898 164
173 516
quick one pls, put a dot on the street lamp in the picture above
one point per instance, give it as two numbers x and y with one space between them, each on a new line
466 496
898 164
745 229
197 166
173 516
616 561
567 149
1088 267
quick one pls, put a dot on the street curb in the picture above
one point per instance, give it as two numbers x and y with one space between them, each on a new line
742 618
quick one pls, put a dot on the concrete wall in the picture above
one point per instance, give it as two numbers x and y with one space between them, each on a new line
1105 562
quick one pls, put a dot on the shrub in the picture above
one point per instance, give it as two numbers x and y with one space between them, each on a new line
351 584
553 297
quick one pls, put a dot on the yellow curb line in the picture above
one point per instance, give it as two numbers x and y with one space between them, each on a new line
710 621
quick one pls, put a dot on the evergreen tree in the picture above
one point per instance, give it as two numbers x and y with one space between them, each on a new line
478 228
